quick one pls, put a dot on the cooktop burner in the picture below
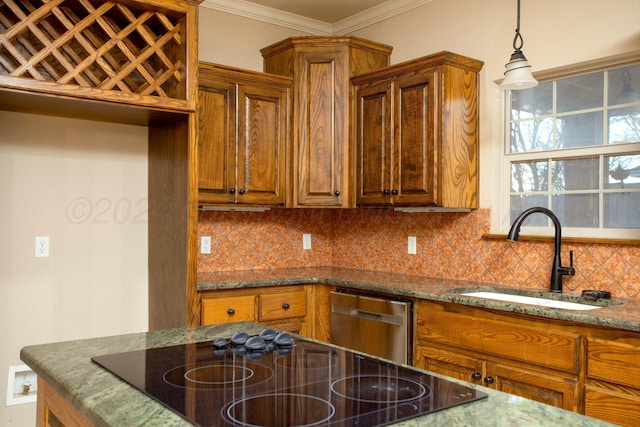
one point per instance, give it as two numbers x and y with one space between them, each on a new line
271 380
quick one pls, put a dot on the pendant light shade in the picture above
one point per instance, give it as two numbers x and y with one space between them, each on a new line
517 73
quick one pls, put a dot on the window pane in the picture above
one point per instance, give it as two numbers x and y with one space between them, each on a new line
580 130
624 125
528 103
532 135
624 85
576 210
522 203
529 176
575 174
622 210
621 172
580 92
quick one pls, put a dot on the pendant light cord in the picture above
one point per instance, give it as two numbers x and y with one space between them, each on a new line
518 37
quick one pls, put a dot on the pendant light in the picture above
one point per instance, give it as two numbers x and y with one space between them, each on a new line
518 71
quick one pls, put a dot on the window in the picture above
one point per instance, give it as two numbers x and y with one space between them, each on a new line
573 146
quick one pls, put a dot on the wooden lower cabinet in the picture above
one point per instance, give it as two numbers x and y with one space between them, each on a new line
612 390
531 383
536 361
286 307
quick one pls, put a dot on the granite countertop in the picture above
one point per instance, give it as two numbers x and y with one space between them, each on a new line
108 401
615 313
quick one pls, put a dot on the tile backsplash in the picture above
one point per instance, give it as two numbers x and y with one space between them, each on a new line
449 245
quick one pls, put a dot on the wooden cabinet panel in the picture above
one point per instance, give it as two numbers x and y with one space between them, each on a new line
322 152
621 407
420 149
216 141
612 392
614 362
374 135
414 151
282 306
536 385
243 120
561 348
453 364
530 383
277 307
230 309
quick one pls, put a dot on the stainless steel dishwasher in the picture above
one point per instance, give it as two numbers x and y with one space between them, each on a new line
372 324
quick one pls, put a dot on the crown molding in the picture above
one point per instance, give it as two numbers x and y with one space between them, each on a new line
270 15
313 26
375 14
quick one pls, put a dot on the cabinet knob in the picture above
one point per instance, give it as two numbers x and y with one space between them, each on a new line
476 376
394 192
488 380
231 311
386 192
337 193
285 306
232 190
242 191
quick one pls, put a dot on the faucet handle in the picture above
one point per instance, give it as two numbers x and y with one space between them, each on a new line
568 271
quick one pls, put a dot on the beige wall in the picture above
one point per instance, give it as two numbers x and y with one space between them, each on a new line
83 184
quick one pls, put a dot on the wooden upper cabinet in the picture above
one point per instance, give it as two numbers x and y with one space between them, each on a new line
243 136
321 67
416 133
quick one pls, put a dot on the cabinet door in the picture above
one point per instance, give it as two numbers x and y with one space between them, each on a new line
414 151
216 142
535 385
613 404
373 144
262 137
450 363
321 138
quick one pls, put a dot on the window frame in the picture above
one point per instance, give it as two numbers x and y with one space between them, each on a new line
599 65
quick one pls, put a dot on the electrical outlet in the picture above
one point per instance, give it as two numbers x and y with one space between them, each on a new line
205 245
42 246
22 386
306 241
411 245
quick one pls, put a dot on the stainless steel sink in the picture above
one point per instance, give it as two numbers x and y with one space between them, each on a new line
521 299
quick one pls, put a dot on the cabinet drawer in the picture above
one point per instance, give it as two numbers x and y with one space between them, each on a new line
613 362
547 348
282 306
230 309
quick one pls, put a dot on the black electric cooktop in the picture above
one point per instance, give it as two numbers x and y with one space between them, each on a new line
275 380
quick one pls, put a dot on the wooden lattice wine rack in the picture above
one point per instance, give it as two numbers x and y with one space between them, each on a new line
130 49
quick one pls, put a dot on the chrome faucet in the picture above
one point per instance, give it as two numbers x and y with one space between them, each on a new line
558 270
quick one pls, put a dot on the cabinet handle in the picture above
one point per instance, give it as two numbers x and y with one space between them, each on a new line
386 192
488 380
232 190
337 193
394 192
476 376
242 191
285 306
231 311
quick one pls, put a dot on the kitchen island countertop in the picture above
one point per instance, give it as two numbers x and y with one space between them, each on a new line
105 400
616 313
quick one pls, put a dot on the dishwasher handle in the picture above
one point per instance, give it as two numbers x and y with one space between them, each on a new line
377 317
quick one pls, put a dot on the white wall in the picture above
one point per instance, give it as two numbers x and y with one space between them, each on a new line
83 184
